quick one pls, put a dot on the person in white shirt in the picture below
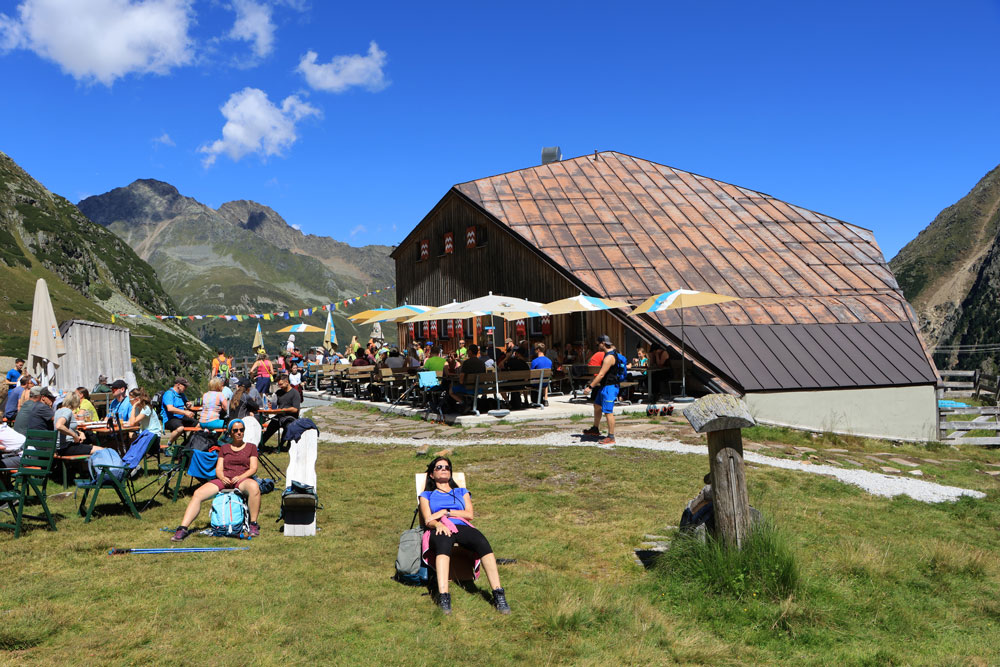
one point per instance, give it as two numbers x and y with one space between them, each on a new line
11 446
295 378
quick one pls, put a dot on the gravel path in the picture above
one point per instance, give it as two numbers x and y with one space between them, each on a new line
872 482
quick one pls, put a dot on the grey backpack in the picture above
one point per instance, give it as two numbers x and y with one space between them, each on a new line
409 569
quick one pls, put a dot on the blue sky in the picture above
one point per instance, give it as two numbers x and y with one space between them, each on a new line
880 114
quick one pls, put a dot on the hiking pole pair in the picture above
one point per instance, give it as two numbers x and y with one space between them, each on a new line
176 550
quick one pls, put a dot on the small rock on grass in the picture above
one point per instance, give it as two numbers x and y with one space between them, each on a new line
904 462
888 469
918 473
837 451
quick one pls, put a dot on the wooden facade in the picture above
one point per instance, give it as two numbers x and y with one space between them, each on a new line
502 264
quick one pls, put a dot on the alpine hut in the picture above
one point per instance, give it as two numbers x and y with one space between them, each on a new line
821 337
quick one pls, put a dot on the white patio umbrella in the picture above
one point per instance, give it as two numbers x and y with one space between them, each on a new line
376 331
509 308
583 303
46 344
258 339
397 314
679 299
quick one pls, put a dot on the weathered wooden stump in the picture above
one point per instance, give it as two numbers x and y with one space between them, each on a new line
722 416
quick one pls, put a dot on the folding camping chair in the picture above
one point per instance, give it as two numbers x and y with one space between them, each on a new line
31 476
462 567
106 479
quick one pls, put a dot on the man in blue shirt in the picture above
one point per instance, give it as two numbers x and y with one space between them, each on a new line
120 405
14 374
14 397
175 410
542 361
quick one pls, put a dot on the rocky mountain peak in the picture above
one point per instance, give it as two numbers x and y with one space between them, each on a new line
144 201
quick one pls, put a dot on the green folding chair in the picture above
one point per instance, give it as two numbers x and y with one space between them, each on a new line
31 477
107 480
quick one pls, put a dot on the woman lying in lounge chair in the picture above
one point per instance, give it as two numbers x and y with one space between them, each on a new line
446 509
235 470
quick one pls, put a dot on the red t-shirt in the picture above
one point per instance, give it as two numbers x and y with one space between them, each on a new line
597 359
235 464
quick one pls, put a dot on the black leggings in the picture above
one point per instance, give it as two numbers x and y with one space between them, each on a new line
467 537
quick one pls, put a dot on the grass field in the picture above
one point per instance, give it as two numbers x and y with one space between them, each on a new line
879 581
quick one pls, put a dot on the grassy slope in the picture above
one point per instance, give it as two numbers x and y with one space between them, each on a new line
885 582
51 239
940 249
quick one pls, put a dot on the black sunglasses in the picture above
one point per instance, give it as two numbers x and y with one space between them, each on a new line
442 467
237 430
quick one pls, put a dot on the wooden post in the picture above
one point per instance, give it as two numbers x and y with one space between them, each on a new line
722 416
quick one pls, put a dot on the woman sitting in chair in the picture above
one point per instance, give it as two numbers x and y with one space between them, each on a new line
235 470
446 510
214 405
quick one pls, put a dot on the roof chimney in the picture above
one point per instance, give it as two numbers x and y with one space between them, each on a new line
551 154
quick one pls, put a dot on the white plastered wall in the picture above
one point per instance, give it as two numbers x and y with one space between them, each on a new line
895 413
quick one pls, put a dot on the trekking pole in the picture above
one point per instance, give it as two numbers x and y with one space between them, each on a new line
178 550
398 400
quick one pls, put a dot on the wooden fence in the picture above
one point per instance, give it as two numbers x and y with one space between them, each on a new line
969 384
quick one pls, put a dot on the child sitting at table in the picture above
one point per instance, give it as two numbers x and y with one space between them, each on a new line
214 405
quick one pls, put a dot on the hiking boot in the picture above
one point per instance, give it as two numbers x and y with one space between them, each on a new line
500 601
444 601
254 529
181 534
545 402
610 440
593 430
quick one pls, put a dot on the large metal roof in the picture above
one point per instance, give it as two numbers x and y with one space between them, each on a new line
628 228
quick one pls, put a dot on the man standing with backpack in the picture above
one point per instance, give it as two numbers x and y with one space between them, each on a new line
604 388
222 365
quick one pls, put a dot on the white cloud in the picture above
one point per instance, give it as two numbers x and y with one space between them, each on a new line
103 40
255 125
253 24
164 139
345 71
297 228
357 230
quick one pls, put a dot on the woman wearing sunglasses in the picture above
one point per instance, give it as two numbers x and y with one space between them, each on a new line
446 509
235 470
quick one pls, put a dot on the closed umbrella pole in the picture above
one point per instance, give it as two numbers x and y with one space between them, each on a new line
45 345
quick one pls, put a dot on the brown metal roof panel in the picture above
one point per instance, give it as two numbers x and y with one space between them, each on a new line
793 344
652 280
502 188
850 277
585 212
635 256
525 231
567 211
549 182
826 354
517 185
582 234
847 357
796 361
579 179
753 284
469 190
616 258
891 305
756 312
634 285
762 375
798 312
612 284
907 340
712 315
513 213
708 344
550 214
801 250
495 208
819 310
869 362
735 312
557 257
865 273
595 177
815 282
776 360
595 257
563 236
590 281
832 279
534 184
528 208
776 310
912 366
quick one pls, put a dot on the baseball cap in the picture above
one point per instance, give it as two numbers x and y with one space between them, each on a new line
604 338
35 391
180 380
119 384
245 383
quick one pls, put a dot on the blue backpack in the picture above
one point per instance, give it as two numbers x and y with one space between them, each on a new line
230 517
106 457
619 373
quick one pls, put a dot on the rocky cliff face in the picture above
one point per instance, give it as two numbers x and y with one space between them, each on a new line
950 273
241 258
370 264
89 270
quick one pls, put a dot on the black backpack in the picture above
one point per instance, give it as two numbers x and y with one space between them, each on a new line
202 441
157 401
